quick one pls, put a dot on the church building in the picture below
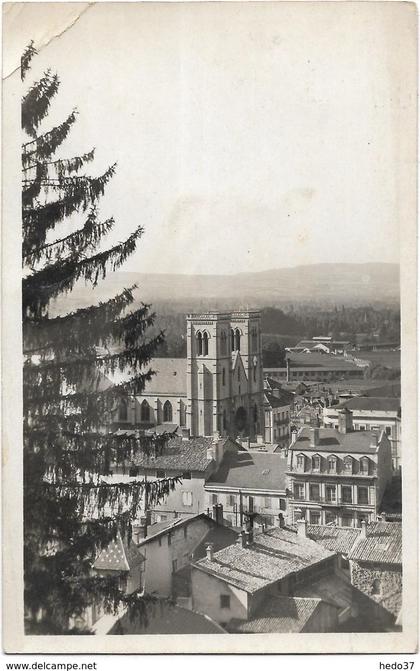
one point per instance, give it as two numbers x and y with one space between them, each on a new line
217 388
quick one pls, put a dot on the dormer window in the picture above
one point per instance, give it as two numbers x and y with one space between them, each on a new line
364 465
316 463
332 464
348 464
300 462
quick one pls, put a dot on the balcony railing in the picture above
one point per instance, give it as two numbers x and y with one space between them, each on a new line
325 500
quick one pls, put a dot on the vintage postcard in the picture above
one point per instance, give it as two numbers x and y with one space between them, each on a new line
209 327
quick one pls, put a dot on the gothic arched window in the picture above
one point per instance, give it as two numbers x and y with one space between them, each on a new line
145 411
223 377
254 339
123 410
205 343
255 413
232 340
237 340
167 411
199 343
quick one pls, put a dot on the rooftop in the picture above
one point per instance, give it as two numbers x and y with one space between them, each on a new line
279 399
371 403
336 539
164 618
277 614
357 442
383 544
170 377
178 455
316 360
119 555
251 470
273 555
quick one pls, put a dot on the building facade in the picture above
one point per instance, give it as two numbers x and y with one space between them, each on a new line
218 388
338 477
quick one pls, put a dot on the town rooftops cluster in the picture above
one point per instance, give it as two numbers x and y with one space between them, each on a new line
179 454
273 554
371 403
332 440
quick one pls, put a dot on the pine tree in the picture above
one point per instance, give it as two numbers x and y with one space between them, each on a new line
70 510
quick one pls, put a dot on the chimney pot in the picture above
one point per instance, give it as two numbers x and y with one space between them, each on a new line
301 528
364 529
209 551
281 520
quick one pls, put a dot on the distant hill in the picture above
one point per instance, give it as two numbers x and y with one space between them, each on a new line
326 283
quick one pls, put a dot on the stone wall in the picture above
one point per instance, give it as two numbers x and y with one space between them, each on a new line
380 582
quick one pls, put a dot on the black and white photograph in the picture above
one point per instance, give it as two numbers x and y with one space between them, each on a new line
209 327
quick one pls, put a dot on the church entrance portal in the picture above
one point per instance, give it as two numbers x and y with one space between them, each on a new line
241 419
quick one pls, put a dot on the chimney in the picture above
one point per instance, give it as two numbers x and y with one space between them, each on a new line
363 532
242 538
314 437
281 520
249 537
345 421
287 370
301 527
294 436
140 530
209 551
215 512
219 514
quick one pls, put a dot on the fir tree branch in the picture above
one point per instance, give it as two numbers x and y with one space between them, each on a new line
36 103
27 56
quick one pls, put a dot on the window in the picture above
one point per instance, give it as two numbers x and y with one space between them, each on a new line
185 532
330 517
361 518
224 601
254 339
330 493
145 411
314 492
214 500
224 419
255 413
187 498
133 472
160 473
299 491
232 340
316 463
186 475
251 504
300 462
362 427
267 502
239 374
314 517
223 377
348 464
346 494
205 344
167 411
169 539
388 430
231 501
364 465
123 410
237 340
332 464
347 521
363 495
174 565
199 339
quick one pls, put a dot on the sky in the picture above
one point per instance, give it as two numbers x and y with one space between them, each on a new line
247 136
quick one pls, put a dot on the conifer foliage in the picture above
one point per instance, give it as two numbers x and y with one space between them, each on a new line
71 510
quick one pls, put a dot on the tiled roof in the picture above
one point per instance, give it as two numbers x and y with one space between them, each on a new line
279 400
357 442
164 618
273 555
336 539
178 455
170 377
383 544
251 470
277 615
371 403
118 556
